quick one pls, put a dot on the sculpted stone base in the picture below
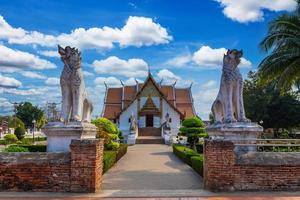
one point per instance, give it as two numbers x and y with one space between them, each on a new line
235 131
239 132
59 135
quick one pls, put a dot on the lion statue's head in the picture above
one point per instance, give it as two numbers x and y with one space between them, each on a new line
232 58
70 55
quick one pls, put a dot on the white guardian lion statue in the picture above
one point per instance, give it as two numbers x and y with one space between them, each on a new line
229 106
75 104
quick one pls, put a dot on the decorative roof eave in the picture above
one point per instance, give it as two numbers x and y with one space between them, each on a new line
150 78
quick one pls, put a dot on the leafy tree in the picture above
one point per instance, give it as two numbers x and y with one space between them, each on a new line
265 105
283 43
194 129
28 112
20 133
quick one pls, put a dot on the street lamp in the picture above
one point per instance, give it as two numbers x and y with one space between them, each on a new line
33 121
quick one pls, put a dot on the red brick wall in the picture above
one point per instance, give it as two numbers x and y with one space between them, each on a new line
86 166
223 173
78 171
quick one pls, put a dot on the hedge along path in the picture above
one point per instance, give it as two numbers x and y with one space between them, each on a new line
151 167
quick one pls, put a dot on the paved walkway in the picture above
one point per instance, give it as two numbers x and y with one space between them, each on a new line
151 167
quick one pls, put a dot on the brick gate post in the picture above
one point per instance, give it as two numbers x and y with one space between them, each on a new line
86 165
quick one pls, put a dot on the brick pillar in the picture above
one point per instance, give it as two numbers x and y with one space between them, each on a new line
86 165
218 165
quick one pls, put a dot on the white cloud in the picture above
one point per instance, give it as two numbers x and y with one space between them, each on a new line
209 84
213 58
9 82
28 74
138 31
204 97
34 75
5 106
253 10
28 92
132 81
110 81
86 73
20 59
179 61
53 54
114 65
167 75
114 82
52 81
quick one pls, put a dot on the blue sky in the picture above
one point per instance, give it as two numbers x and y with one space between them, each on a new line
177 40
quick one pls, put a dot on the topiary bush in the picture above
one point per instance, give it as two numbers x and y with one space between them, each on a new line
184 153
112 146
10 138
20 132
109 159
109 132
194 129
15 148
197 164
106 125
121 151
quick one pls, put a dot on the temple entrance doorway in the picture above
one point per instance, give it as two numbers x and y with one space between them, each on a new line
149 120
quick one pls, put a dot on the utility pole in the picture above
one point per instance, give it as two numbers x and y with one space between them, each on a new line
15 104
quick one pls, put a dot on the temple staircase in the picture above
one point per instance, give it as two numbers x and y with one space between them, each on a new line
149 135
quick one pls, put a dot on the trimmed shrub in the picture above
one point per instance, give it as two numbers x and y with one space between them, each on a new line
20 132
15 148
10 138
194 129
184 153
3 142
109 159
121 151
35 148
106 125
30 140
112 146
197 164
199 148
193 122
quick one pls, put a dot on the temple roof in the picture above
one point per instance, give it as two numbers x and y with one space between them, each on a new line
118 99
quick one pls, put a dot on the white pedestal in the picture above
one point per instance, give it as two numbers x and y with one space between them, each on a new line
237 133
60 135
131 139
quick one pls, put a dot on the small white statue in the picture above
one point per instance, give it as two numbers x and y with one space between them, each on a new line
229 106
75 104
166 125
133 124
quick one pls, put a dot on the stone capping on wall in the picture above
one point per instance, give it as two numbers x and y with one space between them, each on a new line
37 158
269 159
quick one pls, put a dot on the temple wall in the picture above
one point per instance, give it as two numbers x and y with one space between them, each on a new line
124 122
175 117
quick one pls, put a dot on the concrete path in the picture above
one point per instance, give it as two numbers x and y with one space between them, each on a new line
151 167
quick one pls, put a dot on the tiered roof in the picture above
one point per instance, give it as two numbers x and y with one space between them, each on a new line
118 99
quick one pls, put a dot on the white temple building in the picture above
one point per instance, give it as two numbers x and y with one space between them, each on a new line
148 111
